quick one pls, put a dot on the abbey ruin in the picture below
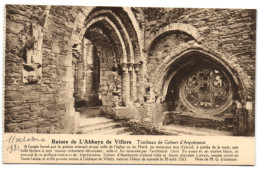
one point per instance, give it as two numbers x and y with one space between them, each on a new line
151 66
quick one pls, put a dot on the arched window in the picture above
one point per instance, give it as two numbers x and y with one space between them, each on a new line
205 89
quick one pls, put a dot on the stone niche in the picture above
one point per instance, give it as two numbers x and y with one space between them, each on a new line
32 65
32 50
200 93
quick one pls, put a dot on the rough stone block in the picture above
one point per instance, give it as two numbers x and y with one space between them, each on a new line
56 107
43 130
125 113
48 114
14 27
11 127
28 124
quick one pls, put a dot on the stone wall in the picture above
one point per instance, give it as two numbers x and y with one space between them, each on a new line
46 47
230 33
46 106
49 63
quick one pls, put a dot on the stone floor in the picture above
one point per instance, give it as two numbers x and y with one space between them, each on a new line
92 123
179 130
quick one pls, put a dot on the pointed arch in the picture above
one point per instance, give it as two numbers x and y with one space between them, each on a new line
162 78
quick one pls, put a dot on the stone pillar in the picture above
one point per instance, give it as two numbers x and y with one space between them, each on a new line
80 79
85 52
139 83
131 78
75 78
242 115
70 119
77 53
134 90
88 61
125 85
251 118
135 73
242 122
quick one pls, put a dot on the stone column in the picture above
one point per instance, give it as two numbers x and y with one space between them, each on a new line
65 97
125 85
77 53
131 78
85 46
134 90
135 72
88 60
251 118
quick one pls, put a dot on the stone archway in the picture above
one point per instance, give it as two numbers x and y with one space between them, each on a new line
163 72
111 36
197 83
174 58
200 89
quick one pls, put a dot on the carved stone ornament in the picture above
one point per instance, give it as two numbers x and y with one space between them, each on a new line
32 66
206 90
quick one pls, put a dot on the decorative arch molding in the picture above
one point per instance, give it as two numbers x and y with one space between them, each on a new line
124 32
137 29
161 80
134 24
125 37
99 31
92 13
187 28
106 19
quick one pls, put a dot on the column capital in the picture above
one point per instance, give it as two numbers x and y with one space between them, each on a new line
130 67
124 66
76 51
136 67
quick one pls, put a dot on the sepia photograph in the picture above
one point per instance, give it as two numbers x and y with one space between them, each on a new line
129 70
144 81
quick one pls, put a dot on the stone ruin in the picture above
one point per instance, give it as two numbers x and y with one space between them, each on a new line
152 66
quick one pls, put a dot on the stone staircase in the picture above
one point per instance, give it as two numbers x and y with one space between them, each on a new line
92 123
104 126
101 126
